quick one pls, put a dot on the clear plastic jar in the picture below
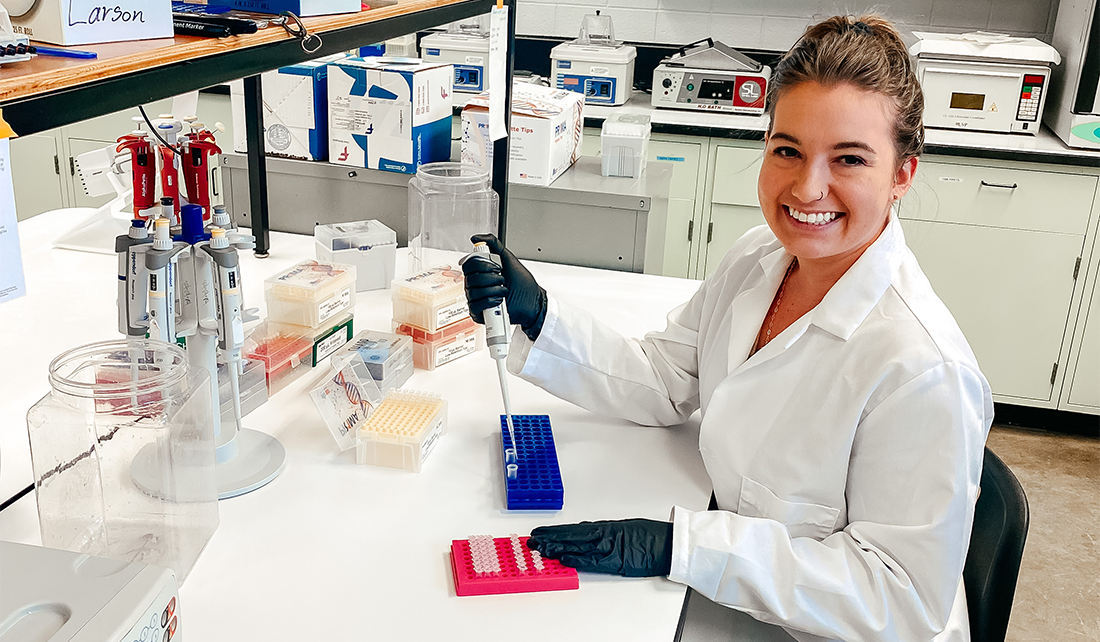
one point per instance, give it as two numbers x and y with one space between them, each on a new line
448 203
122 450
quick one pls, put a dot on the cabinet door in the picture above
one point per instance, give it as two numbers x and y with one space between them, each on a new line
1009 291
734 207
35 163
685 161
1085 386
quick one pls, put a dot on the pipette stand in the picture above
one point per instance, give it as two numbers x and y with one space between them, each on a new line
515 569
97 232
536 484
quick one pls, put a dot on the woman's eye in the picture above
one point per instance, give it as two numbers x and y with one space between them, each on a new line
786 152
852 160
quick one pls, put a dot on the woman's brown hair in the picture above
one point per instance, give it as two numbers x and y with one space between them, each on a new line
868 53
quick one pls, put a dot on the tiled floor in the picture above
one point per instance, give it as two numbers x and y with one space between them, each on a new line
1058 593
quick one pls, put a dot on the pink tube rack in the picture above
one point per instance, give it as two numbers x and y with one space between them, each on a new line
519 570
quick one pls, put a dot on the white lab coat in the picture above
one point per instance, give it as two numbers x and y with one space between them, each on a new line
845 454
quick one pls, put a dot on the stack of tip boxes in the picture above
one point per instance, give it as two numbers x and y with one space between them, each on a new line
536 484
389 115
388 357
402 431
430 307
309 316
368 245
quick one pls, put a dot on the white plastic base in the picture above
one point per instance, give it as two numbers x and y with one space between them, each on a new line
260 458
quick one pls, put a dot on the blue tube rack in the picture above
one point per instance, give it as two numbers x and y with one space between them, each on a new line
537 485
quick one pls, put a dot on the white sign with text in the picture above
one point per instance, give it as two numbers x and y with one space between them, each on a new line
84 22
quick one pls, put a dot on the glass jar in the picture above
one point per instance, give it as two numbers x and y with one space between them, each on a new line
122 450
448 203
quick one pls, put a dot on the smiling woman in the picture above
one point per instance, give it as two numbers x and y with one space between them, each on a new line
843 415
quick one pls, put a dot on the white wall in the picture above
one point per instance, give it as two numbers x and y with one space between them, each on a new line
776 24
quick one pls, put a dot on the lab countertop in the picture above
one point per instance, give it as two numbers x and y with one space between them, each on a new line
1044 147
333 550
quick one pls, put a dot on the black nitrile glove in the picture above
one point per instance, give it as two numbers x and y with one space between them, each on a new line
629 547
487 284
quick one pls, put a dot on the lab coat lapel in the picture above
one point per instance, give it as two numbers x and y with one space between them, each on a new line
750 306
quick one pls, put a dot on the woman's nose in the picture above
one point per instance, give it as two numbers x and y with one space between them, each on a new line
811 184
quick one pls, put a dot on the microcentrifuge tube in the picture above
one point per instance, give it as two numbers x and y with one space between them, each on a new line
509 455
513 471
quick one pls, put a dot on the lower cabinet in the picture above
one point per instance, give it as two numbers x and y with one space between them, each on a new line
36 174
1082 393
732 199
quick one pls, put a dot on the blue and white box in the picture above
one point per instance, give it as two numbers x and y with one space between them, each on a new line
394 116
301 8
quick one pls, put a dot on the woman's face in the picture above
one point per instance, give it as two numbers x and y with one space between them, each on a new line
829 174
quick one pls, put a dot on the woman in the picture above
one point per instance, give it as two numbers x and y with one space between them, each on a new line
843 414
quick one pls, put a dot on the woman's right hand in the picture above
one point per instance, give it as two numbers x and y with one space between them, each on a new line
487 284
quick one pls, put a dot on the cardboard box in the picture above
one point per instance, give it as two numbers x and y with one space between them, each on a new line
301 8
72 22
546 133
295 110
390 116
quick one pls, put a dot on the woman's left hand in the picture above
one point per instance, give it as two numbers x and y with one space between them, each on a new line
629 547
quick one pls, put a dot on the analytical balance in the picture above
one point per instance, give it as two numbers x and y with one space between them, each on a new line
710 76
595 64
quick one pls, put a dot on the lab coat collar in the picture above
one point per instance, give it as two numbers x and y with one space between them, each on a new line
853 297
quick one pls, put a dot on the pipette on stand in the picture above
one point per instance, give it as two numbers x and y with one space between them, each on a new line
497 328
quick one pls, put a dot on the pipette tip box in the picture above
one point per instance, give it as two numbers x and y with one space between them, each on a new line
402 431
537 484
493 566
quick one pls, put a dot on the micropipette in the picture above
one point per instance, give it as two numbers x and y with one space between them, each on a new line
497 327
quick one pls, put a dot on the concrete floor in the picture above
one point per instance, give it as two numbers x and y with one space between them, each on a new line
1058 593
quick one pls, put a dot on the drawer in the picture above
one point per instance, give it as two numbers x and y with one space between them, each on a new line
999 197
736 170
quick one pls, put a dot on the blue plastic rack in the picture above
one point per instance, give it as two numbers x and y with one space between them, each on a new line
538 482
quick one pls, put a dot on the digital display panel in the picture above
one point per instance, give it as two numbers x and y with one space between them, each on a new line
967 101
716 90
1033 80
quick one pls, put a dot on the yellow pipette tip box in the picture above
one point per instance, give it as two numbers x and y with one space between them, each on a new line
402 431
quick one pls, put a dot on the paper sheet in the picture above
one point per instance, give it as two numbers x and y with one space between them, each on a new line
12 284
498 71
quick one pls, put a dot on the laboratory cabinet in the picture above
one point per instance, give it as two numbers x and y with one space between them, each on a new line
686 156
1001 243
1082 392
36 174
732 205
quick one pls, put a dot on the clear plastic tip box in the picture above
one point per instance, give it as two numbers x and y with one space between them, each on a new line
388 357
537 481
430 299
310 293
433 349
368 245
402 431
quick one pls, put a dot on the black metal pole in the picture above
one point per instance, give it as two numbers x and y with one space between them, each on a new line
257 163
501 150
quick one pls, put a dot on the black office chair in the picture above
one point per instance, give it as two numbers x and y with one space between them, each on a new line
996 547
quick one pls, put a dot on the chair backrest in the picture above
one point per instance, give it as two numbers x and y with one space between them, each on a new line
996 547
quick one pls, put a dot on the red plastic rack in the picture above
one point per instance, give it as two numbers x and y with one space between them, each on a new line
511 578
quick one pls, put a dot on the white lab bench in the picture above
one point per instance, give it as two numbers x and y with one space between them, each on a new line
331 550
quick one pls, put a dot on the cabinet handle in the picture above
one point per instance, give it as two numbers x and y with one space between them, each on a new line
691 229
710 231
1004 185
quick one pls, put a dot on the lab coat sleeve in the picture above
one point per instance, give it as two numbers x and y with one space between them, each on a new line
653 381
893 571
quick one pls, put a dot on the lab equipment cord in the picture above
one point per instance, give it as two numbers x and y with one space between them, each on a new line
154 130
16 497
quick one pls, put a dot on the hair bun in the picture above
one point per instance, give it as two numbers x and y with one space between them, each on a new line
861 27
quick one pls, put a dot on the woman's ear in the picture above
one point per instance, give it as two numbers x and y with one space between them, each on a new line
903 179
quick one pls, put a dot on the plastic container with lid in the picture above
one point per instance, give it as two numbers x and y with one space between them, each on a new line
122 449
286 353
448 203
368 245
624 143
384 353
327 339
433 349
310 293
430 299
402 431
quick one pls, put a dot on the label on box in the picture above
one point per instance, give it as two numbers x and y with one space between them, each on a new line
451 351
334 304
475 60
599 70
448 314
432 439
331 343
